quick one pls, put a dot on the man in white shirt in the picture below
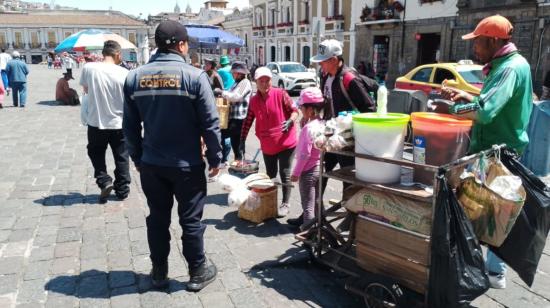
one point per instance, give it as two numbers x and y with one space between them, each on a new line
68 62
103 83
4 58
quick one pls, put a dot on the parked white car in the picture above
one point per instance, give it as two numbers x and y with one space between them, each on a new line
292 76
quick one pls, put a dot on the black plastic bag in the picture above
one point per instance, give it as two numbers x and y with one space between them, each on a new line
523 247
457 271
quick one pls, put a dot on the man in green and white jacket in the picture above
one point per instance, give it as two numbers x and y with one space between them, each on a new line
502 110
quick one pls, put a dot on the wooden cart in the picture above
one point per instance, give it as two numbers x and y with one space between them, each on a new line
387 265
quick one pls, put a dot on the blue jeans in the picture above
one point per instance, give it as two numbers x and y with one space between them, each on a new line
226 149
19 94
494 264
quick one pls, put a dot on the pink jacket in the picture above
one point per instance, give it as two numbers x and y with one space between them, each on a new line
269 114
2 91
307 156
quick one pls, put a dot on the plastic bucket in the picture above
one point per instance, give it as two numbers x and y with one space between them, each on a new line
381 136
438 139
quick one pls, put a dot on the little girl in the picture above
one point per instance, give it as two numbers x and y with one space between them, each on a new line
306 170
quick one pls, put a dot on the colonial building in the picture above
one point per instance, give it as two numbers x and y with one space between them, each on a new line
394 37
289 30
531 20
239 23
35 33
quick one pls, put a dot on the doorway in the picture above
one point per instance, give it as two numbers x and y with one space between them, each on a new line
380 57
428 48
273 53
306 54
287 53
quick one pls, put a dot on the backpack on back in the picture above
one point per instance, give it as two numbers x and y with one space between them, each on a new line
370 84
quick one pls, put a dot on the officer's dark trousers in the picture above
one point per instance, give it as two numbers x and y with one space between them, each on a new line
98 140
188 185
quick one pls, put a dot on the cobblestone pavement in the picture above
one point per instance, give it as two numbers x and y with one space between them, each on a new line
60 248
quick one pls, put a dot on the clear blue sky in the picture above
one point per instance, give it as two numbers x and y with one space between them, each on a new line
135 7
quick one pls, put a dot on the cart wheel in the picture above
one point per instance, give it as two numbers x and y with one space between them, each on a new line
320 247
378 295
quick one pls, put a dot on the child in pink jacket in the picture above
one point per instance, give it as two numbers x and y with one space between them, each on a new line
306 170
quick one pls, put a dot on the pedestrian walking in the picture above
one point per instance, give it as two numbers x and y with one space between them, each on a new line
2 93
103 84
4 59
306 170
68 62
275 114
49 59
344 91
502 110
174 105
17 71
238 97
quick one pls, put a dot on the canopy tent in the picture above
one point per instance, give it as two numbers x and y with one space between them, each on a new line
91 39
205 36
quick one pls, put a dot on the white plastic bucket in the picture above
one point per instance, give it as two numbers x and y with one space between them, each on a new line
381 136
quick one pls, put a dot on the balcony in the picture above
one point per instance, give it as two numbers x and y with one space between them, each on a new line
334 23
51 44
260 32
35 45
383 12
18 45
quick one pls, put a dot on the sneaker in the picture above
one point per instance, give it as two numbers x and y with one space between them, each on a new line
105 192
201 276
497 281
121 197
283 210
159 276
296 221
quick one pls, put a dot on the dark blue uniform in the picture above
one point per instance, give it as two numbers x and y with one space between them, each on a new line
175 103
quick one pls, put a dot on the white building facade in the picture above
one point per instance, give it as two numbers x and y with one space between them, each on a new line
35 33
239 23
286 30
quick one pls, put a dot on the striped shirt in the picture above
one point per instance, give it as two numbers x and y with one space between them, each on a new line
239 97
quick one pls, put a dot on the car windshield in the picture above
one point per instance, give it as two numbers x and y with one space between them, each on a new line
293 68
472 75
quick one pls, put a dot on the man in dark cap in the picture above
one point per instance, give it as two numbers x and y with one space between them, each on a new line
174 103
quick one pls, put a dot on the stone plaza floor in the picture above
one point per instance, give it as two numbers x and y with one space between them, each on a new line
60 248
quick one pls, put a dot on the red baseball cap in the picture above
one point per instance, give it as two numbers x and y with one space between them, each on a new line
492 26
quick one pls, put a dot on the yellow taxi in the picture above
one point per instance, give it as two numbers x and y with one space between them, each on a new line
464 75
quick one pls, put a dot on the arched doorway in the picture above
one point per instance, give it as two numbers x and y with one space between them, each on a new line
273 54
306 54
287 53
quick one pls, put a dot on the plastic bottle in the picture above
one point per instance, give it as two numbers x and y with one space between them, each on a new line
382 100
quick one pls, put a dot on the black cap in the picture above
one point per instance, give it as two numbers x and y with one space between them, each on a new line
170 32
239 67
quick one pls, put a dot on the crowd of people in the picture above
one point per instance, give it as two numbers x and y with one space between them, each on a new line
159 114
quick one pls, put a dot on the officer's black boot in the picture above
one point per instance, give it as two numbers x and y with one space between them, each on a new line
159 276
201 276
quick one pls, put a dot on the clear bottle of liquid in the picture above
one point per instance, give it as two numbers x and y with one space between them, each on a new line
382 99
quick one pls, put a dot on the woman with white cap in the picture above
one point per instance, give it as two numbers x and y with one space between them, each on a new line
275 114
238 96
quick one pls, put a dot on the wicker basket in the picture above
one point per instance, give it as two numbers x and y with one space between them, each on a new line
223 110
261 205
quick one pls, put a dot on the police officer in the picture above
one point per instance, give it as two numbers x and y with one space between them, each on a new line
175 105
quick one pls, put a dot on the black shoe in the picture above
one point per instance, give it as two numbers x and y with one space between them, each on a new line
296 221
105 192
201 276
121 197
159 276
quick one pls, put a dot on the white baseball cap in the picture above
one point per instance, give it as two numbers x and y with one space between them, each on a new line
261 72
15 54
327 49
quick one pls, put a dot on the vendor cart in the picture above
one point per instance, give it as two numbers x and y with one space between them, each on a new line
386 264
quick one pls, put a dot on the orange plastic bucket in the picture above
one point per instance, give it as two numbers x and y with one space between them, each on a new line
438 139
